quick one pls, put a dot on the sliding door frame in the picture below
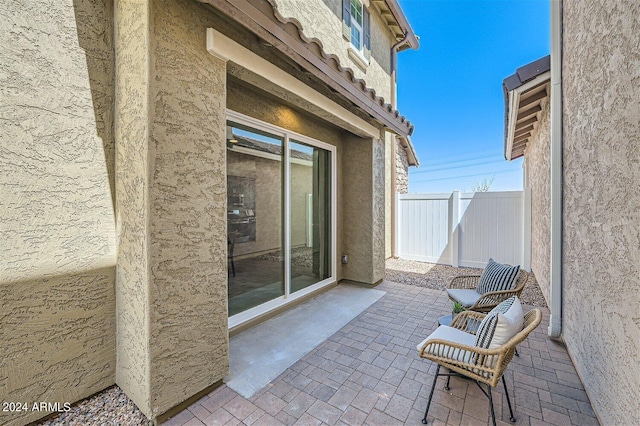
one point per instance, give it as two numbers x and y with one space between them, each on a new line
289 297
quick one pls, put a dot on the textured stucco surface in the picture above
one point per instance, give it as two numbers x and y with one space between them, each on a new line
363 209
538 169
188 194
329 31
172 322
389 194
601 265
402 170
57 256
379 200
131 130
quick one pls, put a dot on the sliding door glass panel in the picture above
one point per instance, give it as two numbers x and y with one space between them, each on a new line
310 214
254 217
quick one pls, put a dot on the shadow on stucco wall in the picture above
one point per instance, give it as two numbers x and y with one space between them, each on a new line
94 24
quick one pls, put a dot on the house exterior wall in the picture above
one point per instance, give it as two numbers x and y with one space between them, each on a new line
363 209
81 79
402 170
171 210
601 232
389 192
58 250
329 31
538 172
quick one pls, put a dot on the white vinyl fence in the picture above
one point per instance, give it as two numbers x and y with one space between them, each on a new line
465 229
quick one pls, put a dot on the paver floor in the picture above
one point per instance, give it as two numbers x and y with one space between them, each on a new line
369 372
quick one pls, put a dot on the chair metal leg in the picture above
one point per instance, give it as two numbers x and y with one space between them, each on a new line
517 354
493 414
433 387
447 385
506 392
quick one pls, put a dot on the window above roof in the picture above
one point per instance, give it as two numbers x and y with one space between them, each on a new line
356 28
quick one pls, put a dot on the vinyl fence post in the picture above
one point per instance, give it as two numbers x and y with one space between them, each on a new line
526 231
454 208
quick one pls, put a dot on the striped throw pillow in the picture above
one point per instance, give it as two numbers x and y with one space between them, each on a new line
497 277
501 324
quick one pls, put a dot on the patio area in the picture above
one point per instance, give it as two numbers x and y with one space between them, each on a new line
369 372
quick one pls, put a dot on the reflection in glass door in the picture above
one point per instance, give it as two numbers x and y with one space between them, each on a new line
254 217
280 216
310 215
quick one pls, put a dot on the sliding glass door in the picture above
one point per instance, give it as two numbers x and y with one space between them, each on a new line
254 217
280 216
310 214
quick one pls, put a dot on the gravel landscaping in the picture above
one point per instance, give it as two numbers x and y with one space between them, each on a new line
113 407
435 276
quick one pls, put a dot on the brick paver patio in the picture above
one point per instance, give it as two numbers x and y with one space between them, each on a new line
369 372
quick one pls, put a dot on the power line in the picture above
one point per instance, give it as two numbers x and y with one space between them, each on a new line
466 176
442 163
459 167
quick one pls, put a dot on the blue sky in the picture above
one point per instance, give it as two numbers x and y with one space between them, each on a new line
451 88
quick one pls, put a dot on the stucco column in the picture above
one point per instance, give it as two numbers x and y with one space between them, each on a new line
171 200
363 209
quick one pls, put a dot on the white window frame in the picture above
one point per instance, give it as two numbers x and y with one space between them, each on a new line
356 53
357 26
288 297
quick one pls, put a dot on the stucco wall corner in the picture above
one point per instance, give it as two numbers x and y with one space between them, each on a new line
601 206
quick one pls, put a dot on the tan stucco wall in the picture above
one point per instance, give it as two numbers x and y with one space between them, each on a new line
601 265
172 279
329 31
402 170
538 170
364 209
57 256
389 194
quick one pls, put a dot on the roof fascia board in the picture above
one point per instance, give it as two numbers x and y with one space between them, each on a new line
412 157
403 22
514 102
252 18
223 47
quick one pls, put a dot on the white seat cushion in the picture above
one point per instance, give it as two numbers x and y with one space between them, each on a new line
466 297
453 335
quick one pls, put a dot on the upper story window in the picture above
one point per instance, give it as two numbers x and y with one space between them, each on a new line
356 28
356 24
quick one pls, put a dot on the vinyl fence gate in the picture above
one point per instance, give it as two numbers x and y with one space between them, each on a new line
465 229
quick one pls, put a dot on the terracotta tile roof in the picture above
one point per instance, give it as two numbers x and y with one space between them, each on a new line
288 36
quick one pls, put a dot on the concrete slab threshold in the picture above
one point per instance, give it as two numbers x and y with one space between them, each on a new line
260 354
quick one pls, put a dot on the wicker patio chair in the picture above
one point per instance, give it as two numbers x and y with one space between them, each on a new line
461 357
462 289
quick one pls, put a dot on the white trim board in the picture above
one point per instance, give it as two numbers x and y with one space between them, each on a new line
288 135
224 48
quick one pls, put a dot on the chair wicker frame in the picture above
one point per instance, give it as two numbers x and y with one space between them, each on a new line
485 366
492 299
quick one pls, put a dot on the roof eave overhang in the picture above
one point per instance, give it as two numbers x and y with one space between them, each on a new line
530 79
400 20
261 18
412 156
